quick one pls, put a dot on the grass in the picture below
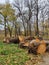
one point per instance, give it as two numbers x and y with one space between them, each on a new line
11 54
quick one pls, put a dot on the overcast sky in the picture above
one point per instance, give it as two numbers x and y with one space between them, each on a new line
3 1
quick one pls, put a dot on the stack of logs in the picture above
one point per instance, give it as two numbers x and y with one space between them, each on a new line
34 45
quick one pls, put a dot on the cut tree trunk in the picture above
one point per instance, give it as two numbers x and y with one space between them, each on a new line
42 47
24 44
37 46
11 40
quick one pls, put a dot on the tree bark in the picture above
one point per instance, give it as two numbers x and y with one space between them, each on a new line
15 30
37 29
5 27
24 26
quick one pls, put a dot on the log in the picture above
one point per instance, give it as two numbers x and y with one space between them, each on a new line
11 40
23 44
33 46
41 48
14 40
37 46
35 43
47 48
47 45
29 38
47 42
40 38
32 49
21 38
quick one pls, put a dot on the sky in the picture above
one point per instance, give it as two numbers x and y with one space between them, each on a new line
3 1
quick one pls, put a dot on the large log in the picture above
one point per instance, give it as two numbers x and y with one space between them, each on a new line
21 38
33 46
24 41
14 40
11 40
37 46
42 47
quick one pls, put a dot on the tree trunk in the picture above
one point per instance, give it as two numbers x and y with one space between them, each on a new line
37 29
5 27
30 29
10 34
24 30
15 30
24 27
27 29
42 23
19 31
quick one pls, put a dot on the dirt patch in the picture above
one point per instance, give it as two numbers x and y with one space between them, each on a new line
38 60
46 59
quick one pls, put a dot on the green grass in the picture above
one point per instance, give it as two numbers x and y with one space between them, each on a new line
11 54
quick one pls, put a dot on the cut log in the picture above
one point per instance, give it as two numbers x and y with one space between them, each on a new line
21 38
47 48
40 38
29 38
37 46
33 46
42 47
11 40
37 40
23 44
26 44
14 40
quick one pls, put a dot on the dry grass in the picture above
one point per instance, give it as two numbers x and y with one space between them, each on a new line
1 37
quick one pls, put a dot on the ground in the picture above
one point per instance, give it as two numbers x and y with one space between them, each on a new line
11 54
